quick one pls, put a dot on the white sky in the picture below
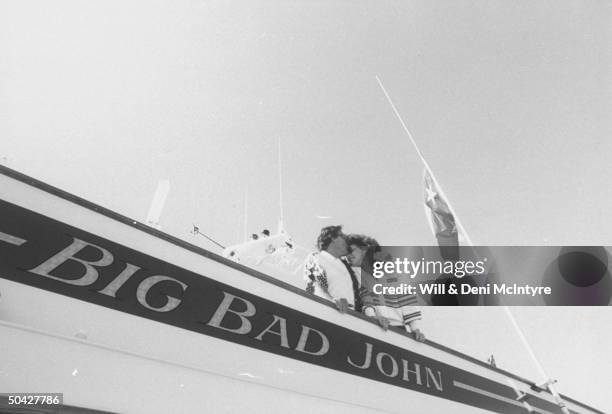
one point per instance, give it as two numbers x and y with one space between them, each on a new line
509 100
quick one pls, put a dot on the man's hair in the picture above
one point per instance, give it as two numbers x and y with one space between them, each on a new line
328 234
362 241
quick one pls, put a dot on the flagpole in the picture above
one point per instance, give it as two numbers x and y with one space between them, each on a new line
548 383
425 163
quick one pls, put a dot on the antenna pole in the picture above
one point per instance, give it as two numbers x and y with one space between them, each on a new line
246 214
280 182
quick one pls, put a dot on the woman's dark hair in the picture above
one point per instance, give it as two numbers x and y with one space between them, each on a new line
328 234
363 242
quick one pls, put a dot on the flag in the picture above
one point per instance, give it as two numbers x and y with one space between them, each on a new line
439 215
454 245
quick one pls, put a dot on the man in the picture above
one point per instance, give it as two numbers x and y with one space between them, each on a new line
326 273
395 310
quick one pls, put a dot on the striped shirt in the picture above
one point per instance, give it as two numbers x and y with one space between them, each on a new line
398 309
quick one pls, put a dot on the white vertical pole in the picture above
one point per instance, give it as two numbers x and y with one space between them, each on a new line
157 204
246 215
280 186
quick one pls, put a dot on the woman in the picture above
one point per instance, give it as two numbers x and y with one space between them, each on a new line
394 310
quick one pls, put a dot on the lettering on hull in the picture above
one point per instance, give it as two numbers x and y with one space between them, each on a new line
41 252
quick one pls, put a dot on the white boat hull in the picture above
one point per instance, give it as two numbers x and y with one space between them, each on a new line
159 346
